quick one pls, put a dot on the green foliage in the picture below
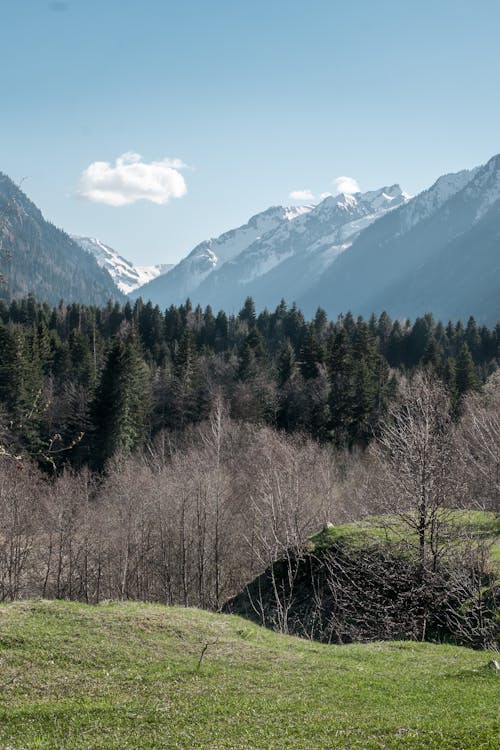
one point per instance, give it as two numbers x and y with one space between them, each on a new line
122 405
125 676
466 375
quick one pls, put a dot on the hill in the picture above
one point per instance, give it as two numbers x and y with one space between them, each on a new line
121 676
37 257
366 581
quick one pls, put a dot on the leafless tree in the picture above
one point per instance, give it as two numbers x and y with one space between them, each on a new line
416 478
480 442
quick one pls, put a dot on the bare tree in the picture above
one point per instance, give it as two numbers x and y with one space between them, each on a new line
19 490
480 442
416 479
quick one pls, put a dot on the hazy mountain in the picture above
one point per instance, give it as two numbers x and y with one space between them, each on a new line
291 258
185 278
367 252
439 253
38 257
125 274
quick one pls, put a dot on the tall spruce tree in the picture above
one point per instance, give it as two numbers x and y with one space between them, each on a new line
467 379
122 406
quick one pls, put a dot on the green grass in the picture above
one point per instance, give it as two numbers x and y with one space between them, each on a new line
485 525
124 676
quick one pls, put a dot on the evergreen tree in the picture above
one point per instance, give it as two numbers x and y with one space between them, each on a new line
311 354
122 407
466 375
431 357
450 378
342 397
247 312
286 365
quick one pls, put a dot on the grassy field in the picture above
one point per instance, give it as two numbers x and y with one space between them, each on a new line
482 524
127 676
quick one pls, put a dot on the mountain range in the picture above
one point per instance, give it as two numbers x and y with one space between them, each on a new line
382 250
125 274
279 253
366 252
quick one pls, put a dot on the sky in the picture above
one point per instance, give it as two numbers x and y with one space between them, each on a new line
156 124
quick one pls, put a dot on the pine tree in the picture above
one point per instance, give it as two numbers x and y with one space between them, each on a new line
247 312
183 406
122 406
286 365
466 374
310 355
12 369
450 378
342 397
432 356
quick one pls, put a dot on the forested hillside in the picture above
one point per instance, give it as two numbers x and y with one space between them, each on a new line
37 257
110 379
173 456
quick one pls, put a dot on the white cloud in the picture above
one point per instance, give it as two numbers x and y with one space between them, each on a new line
130 179
301 195
346 185
325 195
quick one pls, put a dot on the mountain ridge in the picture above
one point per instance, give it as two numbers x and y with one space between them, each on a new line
38 257
385 263
126 275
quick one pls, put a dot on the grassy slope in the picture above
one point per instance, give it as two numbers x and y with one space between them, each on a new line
125 676
486 525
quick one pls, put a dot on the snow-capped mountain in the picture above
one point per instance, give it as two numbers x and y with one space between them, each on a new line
210 255
125 274
430 201
438 253
251 260
367 252
289 259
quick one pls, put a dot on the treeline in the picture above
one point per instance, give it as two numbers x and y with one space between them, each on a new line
79 384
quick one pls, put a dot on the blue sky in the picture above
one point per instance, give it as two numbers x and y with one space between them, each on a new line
257 99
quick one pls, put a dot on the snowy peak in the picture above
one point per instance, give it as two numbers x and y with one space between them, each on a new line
125 274
373 201
211 255
484 188
347 214
438 252
477 190
428 202
228 245
297 252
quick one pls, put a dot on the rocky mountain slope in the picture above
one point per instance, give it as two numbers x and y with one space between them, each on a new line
124 273
207 257
439 253
37 257
367 252
290 259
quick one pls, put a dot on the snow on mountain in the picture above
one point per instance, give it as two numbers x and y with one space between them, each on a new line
294 254
430 201
125 274
365 252
485 188
205 258
438 253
